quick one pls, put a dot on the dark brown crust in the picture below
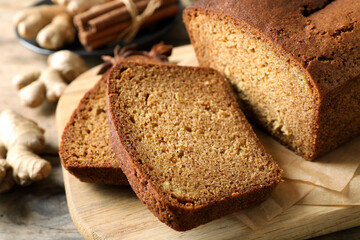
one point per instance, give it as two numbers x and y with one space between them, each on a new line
99 175
327 50
87 172
169 210
339 117
320 36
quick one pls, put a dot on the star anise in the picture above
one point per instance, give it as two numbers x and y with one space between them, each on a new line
159 51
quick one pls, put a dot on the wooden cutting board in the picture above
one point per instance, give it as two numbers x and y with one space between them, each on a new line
112 212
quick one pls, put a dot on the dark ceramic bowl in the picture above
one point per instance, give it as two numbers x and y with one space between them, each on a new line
144 37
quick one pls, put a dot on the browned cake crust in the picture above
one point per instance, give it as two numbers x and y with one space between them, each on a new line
85 148
187 171
314 43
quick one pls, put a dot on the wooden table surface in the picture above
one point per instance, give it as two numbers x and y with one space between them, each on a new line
40 211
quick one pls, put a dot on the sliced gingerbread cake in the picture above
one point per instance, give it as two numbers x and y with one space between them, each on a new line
185 146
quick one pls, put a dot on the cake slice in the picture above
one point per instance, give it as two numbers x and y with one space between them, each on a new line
85 148
294 64
184 145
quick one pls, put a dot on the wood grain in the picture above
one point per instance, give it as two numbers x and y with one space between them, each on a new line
109 212
38 211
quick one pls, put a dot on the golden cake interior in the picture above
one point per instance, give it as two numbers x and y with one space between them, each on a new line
90 131
271 89
192 141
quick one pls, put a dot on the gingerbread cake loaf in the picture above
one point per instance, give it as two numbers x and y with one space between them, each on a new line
295 65
184 145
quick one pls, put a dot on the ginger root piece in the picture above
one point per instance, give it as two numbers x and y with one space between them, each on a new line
15 129
31 20
54 84
2 150
68 63
33 24
33 94
22 138
50 85
2 162
35 88
2 169
27 166
7 181
77 6
22 80
58 33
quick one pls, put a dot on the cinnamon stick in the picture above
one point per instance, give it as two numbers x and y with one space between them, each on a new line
81 20
98 39
117 15
100 42
159 14
89 36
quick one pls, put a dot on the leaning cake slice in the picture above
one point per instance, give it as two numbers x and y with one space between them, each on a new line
184 145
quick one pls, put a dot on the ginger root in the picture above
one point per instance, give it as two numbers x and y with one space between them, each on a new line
33 94
50 25
18 130
31 20
22 138
68 63
27 166
22 80
58 33
54 84
2 162
50 85
7 181
6 176
34 88
78 6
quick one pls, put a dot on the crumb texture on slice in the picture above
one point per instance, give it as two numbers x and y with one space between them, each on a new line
186 138
85 148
